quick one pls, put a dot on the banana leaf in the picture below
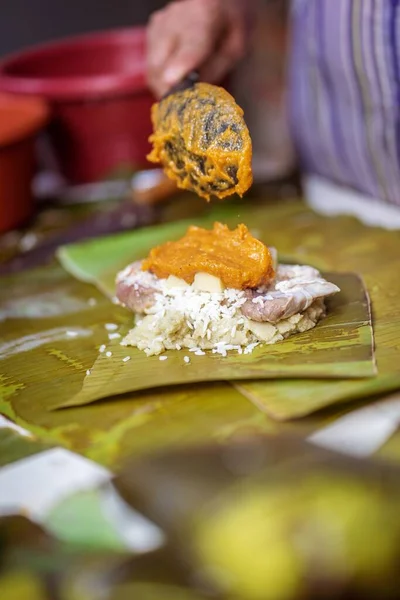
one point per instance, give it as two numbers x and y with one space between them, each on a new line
14 446
340 346
40 370
340 243
34 380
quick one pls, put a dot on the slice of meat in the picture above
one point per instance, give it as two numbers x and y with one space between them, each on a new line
272 306
136 289
294 290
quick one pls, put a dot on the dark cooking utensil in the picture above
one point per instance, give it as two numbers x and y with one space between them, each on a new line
186 83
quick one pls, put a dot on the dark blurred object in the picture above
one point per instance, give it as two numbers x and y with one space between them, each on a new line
154 576
35 566
28 562
27 22
275 519
124 216
100 103
23 534
186 83
20 121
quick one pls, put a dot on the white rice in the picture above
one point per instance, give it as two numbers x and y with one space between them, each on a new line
198 321
114 336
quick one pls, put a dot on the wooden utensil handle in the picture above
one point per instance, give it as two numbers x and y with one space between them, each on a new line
151 187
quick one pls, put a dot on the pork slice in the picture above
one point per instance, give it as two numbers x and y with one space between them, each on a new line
288 296
136 289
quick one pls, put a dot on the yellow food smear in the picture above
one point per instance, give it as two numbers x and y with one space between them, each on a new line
202 141
235 256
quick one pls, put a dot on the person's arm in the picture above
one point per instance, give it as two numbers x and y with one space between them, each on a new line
204 35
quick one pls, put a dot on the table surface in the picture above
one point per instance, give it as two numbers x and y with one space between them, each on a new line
53 472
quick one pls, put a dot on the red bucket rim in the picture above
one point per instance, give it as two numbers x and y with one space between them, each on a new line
76 87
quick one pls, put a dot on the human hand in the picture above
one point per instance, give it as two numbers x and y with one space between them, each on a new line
204 35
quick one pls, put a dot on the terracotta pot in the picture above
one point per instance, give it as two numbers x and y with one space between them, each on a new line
20 121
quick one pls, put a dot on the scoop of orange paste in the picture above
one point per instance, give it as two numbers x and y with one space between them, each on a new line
236 257
202 141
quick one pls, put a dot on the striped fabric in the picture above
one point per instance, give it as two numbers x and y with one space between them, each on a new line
345 92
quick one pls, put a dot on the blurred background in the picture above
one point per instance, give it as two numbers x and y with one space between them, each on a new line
27 22
75 121
94 122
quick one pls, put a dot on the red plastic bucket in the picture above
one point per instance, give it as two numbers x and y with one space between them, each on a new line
20 121
100 102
